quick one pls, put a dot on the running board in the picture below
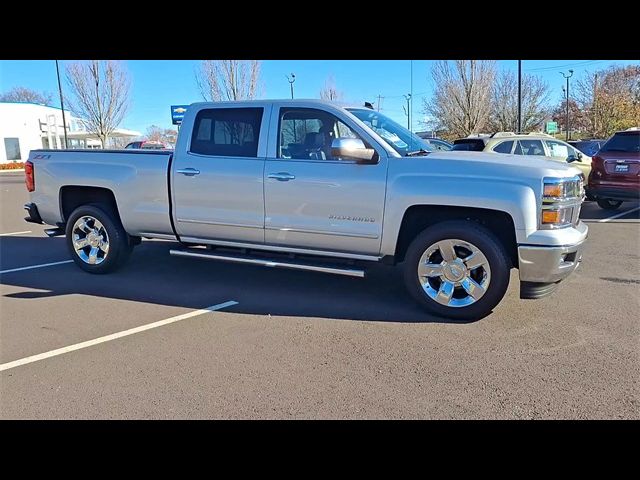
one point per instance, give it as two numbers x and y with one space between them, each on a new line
351 272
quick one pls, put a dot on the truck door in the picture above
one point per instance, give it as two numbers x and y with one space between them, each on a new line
316 201
217 174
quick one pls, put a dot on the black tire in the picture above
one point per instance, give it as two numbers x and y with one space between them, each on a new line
608 204
484 240
120 245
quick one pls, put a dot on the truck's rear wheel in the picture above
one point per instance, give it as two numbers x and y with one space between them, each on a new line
96 239
608 204
457 269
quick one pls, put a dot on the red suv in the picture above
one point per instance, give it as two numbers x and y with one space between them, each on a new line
615 170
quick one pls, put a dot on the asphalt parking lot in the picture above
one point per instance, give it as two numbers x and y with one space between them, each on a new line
291 344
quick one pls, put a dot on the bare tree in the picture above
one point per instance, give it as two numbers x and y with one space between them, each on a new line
461 102
609 99
224 80
164 135
100 95
504 111
22 94
330 91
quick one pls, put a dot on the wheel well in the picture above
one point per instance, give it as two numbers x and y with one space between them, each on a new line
71 197
419 217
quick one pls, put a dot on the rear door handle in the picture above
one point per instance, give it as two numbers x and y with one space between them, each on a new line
189 172
281 176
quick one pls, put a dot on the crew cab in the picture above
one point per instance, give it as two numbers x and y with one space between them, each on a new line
312 185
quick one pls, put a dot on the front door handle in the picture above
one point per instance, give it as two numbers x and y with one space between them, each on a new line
282 176
189 172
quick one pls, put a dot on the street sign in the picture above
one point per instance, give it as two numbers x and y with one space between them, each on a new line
177 113
551 127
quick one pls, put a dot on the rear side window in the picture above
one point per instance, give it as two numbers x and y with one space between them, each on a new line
623 142
529 147
468 144
227 132
504 147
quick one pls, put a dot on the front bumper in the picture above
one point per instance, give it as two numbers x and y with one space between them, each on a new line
548 264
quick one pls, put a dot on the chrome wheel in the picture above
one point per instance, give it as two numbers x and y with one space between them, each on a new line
454 273
90 240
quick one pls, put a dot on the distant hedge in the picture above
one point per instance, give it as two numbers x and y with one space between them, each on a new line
12 166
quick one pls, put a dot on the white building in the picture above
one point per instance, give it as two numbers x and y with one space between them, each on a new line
29 126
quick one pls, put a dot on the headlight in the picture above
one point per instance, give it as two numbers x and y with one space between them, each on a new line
561 199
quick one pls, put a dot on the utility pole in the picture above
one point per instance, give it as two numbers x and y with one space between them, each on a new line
567 77
291 80
408 110
64 122
519 96
380 97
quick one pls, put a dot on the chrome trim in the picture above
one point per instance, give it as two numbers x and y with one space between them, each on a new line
544 264
223 224
324 232
276 248
351 272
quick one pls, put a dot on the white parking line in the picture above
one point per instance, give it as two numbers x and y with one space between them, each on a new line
14 233
35 266
604 220
113 336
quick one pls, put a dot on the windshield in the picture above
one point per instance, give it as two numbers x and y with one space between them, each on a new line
398 137
623 142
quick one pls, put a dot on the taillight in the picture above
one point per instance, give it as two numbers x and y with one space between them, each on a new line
29 177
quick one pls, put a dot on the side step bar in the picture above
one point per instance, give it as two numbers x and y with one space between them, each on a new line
351 272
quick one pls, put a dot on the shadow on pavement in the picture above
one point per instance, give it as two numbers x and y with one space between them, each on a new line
153 276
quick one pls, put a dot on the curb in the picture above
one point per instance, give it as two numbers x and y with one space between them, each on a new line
18 170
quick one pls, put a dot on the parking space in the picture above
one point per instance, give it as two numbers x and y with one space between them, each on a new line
307 345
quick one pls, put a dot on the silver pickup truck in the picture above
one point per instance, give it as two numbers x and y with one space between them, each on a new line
311 185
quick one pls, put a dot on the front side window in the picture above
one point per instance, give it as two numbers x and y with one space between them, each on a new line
227 132
504 147
559 149
12 148
529 147
307 134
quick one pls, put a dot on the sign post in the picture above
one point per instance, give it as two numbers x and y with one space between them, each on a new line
177 114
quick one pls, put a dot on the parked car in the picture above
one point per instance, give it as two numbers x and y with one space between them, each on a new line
615 174
149 145
311 185
436 143
534 144
588 147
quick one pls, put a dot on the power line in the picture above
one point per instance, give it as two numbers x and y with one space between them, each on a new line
555 67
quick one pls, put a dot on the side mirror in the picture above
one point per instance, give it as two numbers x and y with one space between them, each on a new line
573 158
353 149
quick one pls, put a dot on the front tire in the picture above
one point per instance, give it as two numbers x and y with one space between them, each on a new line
457 269
96 239
608 204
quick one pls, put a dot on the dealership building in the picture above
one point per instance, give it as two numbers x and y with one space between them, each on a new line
30 126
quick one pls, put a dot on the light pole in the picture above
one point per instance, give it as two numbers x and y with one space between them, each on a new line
408 111
291 80
519 96
567 77
64 122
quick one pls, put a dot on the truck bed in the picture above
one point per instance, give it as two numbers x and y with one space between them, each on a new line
138 180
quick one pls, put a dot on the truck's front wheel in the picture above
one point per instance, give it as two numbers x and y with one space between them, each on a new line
457 269
96 239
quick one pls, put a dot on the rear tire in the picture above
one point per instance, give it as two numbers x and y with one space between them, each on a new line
608 204
453 285
96 239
